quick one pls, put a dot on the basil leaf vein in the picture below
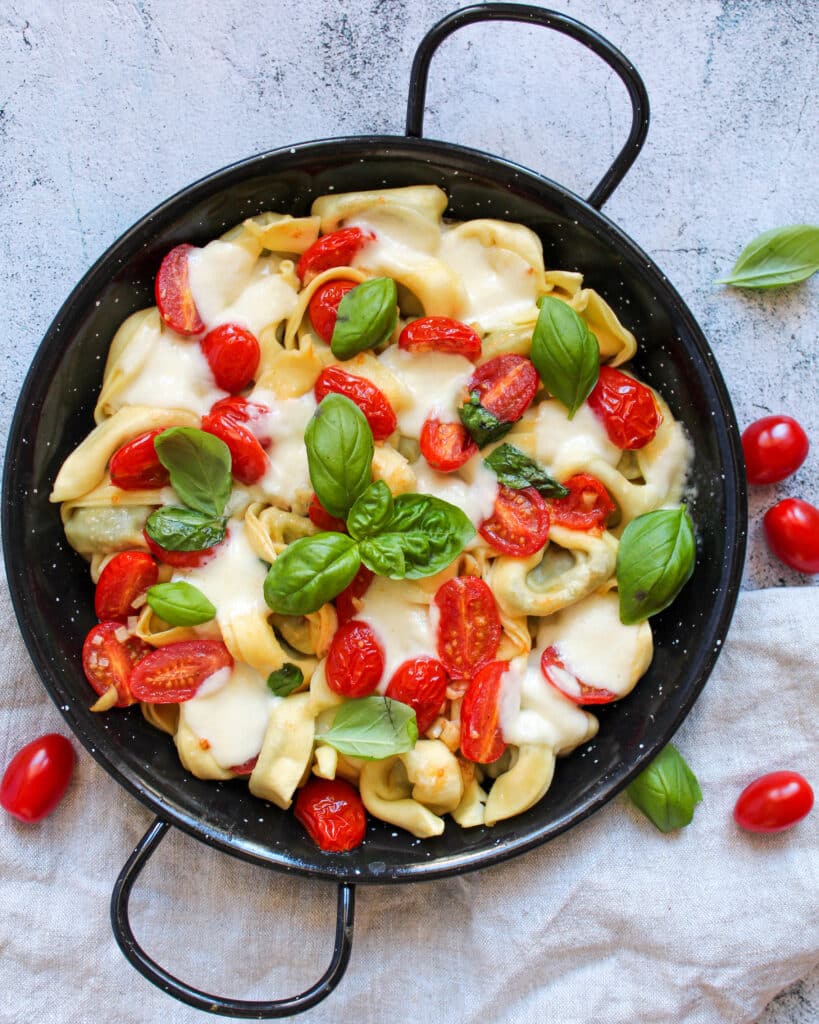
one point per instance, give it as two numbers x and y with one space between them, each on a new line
366 318
183 529
655 559
180 603
371 511
483 426
777 258
283 681
310 572
339 453
565 353
372 728
667 791
515 469
199 465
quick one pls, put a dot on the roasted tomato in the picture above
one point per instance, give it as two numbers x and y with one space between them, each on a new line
136 466
229 420
469 628
332 812
109 661
173 293
440 334
37 777
774 448
355 661
774 802
792 532
446 446
246 767
370 399
233 356
519 524
179 559
556 673
626 407
586 507
320 517
421 683
506 386
334 250
481 737
172 674
348 601
121 582
324 306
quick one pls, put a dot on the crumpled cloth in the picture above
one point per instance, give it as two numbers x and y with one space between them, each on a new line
612 922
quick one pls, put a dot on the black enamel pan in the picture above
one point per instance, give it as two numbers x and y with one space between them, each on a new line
52 592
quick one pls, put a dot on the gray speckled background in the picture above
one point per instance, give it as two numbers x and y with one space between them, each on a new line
108 107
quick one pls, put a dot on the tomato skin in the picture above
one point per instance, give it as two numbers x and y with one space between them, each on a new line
324 305
792 532
370 399
481 737
227 420
179 559
108 661
346 606
421 683
37 777
626 407
519 524
121 582
136 466
440 334
774 802
320 517
469 628
587 695
333 813
355 661
233 355
336 249
774 447
587 506
446 446
173 294
506 385
172 674
246 767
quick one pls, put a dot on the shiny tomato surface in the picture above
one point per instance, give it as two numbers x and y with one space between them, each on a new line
355 661
626 407
172 674
179 559
37 777
575 689
421 683
469 628
174 298
320 517
774 447
446 446
125 578
792 532
108 659
136 466
323 307
333 813
519 524
370 399
481 736
337 249
440 334
233 356
774 802
506 386
348 602
587 506
229 420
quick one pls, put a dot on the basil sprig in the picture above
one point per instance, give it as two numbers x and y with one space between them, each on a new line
515 469
310 572
199 465
285 680
565 353
367 315
372 728
339 453
655 560
484 426
777 258
183 529
667 791
180 603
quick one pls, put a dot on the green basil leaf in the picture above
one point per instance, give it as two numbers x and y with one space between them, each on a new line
655 560
667 791
372 728
339 453
565 353
371 511
199 465
366 317
777 258
183 529
483 426
310 572
285 679
180 603
384 556
515 469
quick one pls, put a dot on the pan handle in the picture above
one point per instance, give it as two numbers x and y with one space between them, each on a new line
258 1010
560 23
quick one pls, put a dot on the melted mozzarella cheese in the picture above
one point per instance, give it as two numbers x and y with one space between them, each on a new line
473 489
532 711
566 445
403 628
287 472
436 381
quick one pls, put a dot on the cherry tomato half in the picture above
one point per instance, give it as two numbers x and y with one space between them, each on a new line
37 777
324 307
519 524
440 334
246 767
121 582
136 466
370 399
233 356
172 674
446 446
348 603
320 517
334 250
627 408
333 813
506 385
469 628
792 532
355 661
109 661
229 420
556 674
774 802
179 559
481 737
774 448
587 506
421 683
173 293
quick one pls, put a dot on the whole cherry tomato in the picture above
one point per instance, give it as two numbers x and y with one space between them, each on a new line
440 334
136 466
506 385
469 628
173 293
324 306
774 802
556 673
627 408
334 250
587 506
421 683
792 532
355 661
37 777
121 582
229 420
519 524
446 446
370 399
348 602
332 812
320 517
179 559
109 661
774 448
172 674
233 356
481 737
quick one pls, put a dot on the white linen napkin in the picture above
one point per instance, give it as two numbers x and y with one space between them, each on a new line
613 922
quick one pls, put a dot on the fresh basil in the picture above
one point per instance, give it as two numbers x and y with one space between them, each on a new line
483 426
372 728
515 469
339 453
667 791
777 258
180 603
310 572
654 561
371 511
199 465
285 679
565 353
366 318
385 556
183 529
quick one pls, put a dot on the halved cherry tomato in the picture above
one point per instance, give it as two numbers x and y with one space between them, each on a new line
121 582
333 813
506 385
173 293
556 673
481 737
440 334
348 601
370 399
172 674
355 661
792 532
586 507
774 802
37 777
320 517
519 524
469 628
626 407
446 446
774 448
179 559
334 250
324 306
228 420
246 767
136 466
421 683
108 661
233 356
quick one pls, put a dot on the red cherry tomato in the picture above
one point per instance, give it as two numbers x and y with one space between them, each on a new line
440 334
774 448
37 777
481 736
421 683
586 507
469 628
333 813
173 294
792 532
172 674
136 465
233 356
121 582
324 306
556 673
348 601
108 661
627 408
506 385
355 661
446 446
179 559
320 517
246 767
519 524
334 250
228 420
774 802
370 399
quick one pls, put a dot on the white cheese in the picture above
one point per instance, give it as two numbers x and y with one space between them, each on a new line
403 628
436 381
565 446
473 488
287 472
